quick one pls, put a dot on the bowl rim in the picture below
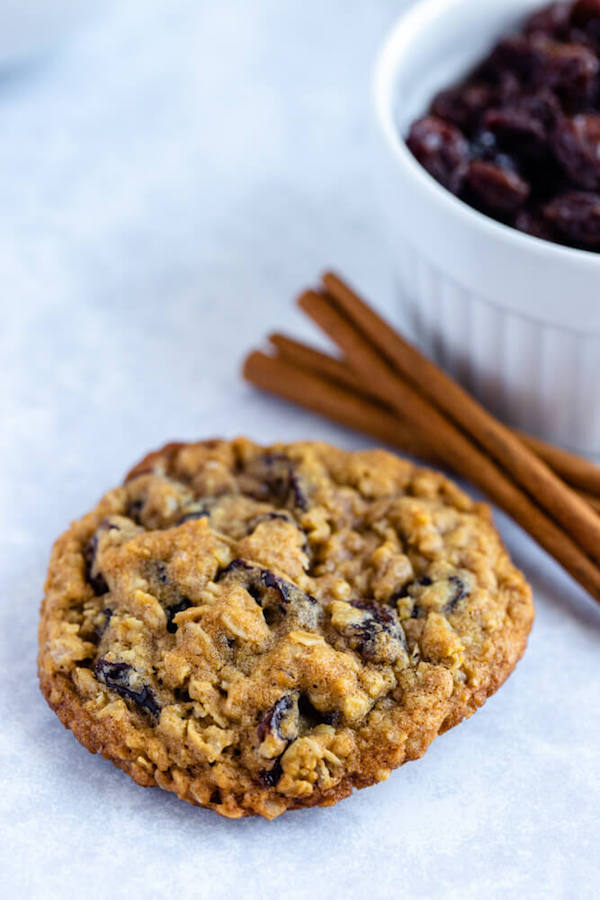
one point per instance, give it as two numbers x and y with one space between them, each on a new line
409 25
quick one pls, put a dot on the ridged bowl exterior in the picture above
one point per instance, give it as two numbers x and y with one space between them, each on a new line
538 377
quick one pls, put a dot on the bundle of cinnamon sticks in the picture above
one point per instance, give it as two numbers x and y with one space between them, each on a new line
385 387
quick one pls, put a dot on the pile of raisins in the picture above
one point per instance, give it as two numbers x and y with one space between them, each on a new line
519 139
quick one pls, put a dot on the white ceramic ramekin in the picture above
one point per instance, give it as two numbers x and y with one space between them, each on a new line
514 318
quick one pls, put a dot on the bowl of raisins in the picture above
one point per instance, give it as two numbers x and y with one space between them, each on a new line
489 117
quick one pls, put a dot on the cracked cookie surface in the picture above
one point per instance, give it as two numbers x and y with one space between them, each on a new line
261 629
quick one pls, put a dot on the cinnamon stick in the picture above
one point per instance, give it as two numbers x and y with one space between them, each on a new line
314 360
577 471
591 499
285 379
451 445
580 473
570 510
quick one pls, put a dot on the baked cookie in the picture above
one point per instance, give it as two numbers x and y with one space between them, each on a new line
266 629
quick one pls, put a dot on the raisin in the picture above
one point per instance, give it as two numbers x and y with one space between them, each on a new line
585 24
118 677
94 578
273 717
464 106
93 575
278 598
161 573
167 593
577 147
312 717
194 514
576 217
379 637
298 492
134 510
288 599
172 611
585 19
515 53
236 566
269 517
552 20
484 145
507 88
182 696
408 589
496 188
532 223
458 592
101 629
270 777
281 483
569 70
586 13
524 127
441 149
285 589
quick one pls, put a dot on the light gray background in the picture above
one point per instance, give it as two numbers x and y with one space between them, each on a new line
168 182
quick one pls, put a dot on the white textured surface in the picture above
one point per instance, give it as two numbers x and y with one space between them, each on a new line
166 185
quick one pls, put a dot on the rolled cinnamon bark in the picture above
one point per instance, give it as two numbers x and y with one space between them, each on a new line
593 501
313 360
379 339
580 473
451 445
577 471
286 380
